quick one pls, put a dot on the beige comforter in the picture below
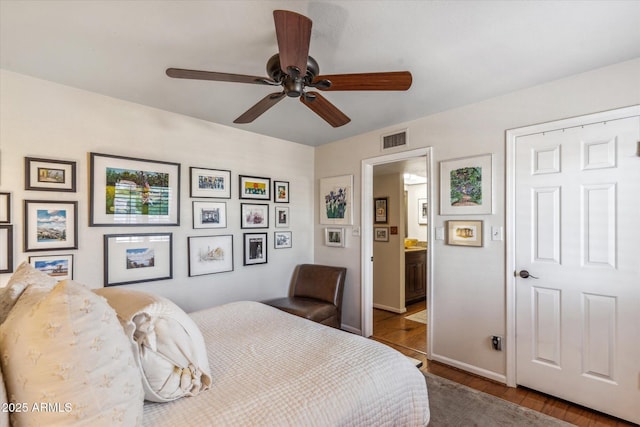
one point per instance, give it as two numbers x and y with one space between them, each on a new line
270 368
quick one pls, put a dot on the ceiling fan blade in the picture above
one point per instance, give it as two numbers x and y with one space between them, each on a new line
263 105
393 80
180 73
329 112
293 32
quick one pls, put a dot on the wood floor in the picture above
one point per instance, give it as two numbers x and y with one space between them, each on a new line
410 338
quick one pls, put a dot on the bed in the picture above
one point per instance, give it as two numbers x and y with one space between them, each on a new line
271 368
76 356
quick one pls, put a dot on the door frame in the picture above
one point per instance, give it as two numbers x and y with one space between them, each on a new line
510 266
366 264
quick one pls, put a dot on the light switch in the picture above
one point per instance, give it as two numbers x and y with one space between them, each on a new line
439 233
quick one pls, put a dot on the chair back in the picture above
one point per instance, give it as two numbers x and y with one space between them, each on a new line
321 282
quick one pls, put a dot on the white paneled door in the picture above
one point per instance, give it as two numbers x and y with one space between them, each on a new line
577 243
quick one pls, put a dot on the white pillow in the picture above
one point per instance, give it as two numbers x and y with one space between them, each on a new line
4 415
24 276
167 344
65 349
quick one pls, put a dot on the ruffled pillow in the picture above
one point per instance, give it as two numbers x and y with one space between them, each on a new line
25 275
65 349
167 344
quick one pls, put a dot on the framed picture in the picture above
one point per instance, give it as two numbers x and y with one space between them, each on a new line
5 208
334 237
59 267
135 258
255 248
281 191
423 211
253 187
464 233
6 248
381 234
380 209
50 225
336 200
466 185
282 216
282 239
254 215
209 214
124 191
213 183
49 175
210 254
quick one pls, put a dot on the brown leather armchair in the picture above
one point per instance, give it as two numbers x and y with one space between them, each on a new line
315 294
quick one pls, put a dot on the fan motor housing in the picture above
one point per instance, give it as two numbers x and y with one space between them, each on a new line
274 69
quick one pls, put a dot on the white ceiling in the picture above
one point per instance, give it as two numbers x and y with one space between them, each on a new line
459 52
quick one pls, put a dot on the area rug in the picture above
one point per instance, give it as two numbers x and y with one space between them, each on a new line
454 404
420 316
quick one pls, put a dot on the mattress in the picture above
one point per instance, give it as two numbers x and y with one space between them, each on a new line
270 368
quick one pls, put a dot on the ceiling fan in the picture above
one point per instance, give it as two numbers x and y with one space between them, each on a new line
294 70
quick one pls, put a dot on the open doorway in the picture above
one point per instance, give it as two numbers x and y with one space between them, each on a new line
397 307
399 253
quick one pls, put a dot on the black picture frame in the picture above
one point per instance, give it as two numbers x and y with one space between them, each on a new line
380 209
128 192
210 254
254 187
50 225
60 267
254 215
254 249
6 248
280 191
209 183
49 175
131 258
5 208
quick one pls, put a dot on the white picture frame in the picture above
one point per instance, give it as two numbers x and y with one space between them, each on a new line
282 216
334 237
210 254
282 239
466 185
336 200
209 214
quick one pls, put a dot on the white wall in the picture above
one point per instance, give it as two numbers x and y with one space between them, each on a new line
415 230
469 283
388 257
43 119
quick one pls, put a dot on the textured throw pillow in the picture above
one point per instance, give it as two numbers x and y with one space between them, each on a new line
67 362
24 276
167 344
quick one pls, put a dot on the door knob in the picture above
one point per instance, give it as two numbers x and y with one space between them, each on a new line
525 274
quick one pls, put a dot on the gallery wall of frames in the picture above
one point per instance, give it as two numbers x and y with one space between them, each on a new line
136 193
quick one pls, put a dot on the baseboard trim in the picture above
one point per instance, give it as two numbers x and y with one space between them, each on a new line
501 378
391 309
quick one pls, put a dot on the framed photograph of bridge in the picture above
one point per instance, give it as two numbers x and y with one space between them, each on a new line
125 191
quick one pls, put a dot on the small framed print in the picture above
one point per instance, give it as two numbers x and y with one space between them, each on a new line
214 183
50 225
5 208
282 239
334 237
6 248
281 191
209 214
380 206
59 267
381 234
254 215
464 233
423 211
135 258
210 254
255 248
282 217
49 175
253 187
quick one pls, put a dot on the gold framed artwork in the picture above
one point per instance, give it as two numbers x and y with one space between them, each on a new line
464 233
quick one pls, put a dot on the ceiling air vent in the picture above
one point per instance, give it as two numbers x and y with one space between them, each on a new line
394 140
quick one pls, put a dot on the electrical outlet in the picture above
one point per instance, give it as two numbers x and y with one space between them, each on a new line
496 342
